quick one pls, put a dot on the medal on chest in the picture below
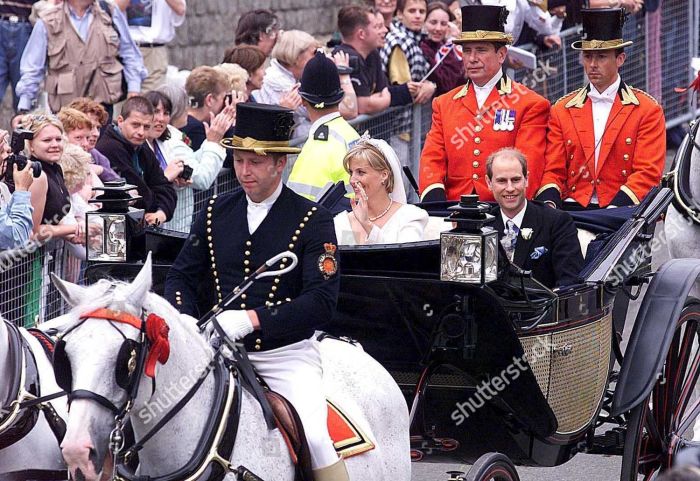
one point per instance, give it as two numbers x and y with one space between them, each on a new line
504 120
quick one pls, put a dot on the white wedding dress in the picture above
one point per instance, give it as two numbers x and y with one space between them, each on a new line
406 225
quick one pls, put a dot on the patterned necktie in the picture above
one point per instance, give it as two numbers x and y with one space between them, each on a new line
512 236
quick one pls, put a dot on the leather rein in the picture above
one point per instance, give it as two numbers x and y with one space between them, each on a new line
216 444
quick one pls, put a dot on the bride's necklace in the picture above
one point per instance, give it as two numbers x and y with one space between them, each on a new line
372 219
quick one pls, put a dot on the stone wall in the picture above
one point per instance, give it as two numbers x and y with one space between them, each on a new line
210 26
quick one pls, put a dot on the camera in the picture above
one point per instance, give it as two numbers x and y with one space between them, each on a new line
19 136
186 173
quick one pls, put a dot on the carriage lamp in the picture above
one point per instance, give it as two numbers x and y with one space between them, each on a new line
119 235
469 252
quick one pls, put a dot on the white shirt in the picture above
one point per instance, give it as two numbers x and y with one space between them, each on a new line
257 211
163 23
482 93
517 219
601 104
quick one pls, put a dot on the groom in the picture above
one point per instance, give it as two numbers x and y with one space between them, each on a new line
535 237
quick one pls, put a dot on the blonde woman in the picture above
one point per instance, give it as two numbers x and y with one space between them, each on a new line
292 51
380 214
237 77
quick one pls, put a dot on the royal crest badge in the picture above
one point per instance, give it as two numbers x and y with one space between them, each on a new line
327 263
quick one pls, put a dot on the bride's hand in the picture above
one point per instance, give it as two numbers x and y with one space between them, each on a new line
359 207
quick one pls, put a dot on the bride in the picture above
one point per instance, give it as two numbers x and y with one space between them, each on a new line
380 214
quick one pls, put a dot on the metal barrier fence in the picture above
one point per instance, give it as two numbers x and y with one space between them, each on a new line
659 60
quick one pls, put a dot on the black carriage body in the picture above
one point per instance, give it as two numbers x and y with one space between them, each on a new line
510 366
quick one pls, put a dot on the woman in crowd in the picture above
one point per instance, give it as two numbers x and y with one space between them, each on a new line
260 28
387 8
380 214
252 59
49 196
98 118
437 45
280 84
402 58
167 141
237 77
77 127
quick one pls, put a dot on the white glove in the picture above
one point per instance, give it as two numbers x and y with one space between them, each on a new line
236 324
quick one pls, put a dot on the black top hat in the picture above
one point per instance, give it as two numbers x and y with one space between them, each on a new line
262 129
602 29
320 82
484 23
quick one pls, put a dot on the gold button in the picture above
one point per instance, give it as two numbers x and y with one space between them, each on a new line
313 209
209 230
271 295
475 176
477 140
624 172
475 164
247 271
568 142
573 173
478 128
215 273
306 219
248 243
294 238
282 266
301 225
309 213
277 281
258 341
297 232
288 299
247 253
274 288
268 304
628 140
245 278
477 152
242 305
597 181
210 208
216 279
592 181
257 347
213 265
571 156
291 246
244 296
279 302
626 156
246 262
573 189
209 238
177 293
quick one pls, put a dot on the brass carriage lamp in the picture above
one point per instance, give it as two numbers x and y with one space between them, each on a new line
469 252
120 234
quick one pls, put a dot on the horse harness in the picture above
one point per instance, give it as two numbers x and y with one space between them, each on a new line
210 460
20 411
678 178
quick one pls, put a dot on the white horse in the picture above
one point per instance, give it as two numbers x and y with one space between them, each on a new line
39 449
351 377
683 235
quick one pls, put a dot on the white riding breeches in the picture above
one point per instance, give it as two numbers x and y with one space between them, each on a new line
296 373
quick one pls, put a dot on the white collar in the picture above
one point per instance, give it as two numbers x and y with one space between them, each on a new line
319 122
517 218
267 203
609 92
491 83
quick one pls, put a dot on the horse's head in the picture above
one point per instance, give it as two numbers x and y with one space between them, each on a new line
100 360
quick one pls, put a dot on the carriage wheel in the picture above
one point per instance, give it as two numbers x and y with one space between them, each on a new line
493 467
658 427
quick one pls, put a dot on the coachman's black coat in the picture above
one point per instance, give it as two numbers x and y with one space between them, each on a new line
220 252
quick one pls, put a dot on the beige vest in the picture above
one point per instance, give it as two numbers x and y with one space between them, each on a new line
82 69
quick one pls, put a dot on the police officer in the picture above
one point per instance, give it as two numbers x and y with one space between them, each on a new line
606 143
321 158
490 112
276 317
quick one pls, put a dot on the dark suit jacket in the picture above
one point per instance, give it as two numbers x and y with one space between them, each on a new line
290 307
140 167
554 230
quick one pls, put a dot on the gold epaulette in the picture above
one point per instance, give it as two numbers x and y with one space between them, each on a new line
566 95
645 93
577 100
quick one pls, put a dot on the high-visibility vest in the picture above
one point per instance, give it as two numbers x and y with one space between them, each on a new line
321 158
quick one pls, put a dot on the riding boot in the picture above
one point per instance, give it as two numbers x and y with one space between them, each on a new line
335 472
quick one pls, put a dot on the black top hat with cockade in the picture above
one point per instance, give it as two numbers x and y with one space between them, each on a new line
484 23
320 82
602 29
262 129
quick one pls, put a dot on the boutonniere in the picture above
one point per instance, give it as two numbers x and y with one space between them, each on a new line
526 233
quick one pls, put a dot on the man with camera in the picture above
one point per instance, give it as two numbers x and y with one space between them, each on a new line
15 209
